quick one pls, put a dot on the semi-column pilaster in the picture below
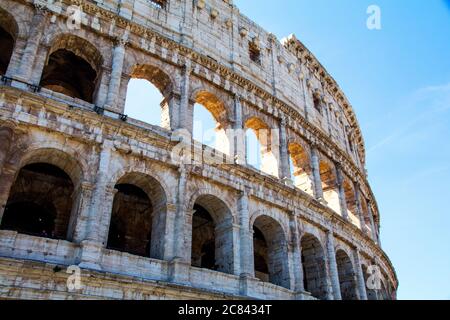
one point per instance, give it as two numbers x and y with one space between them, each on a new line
341 191
297 266
359 209
185 120
360 276
372 223
315 165
284 154
334 275
29 54
246 236
239 133
116 74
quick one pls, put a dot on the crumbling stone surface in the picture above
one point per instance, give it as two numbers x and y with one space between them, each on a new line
112 199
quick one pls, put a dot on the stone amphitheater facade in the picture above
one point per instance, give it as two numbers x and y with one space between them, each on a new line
84 185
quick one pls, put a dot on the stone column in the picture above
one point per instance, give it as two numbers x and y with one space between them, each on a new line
116 74
359 209
179 266
360 276
185 121
99 215
315 165
341 190
246 236
284 154
297 266
34 37
372 223
239 133
334 275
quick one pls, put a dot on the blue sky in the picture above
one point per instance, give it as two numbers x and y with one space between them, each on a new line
398 81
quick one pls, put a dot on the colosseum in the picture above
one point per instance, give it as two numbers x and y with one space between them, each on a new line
139 210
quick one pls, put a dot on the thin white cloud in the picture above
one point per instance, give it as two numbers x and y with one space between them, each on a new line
434 99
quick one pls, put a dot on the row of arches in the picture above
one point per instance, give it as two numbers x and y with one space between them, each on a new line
75 67
43 202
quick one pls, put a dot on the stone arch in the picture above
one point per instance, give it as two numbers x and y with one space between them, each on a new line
328 177
138 216
314 266
212 245
301 167
270 251
9 31
215 105
73 67
43 199
266 145
346 273
157 80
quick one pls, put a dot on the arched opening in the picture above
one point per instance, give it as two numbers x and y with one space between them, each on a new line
259 147
350 200
270 252
40 202
138 217
72 68
300 168
314 267
260 249
212 236
346 274
210 122
8 34
149 95
329 185
371 293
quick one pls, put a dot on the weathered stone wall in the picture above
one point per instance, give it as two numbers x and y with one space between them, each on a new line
192 51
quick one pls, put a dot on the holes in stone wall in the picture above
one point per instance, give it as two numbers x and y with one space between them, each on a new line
40 202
